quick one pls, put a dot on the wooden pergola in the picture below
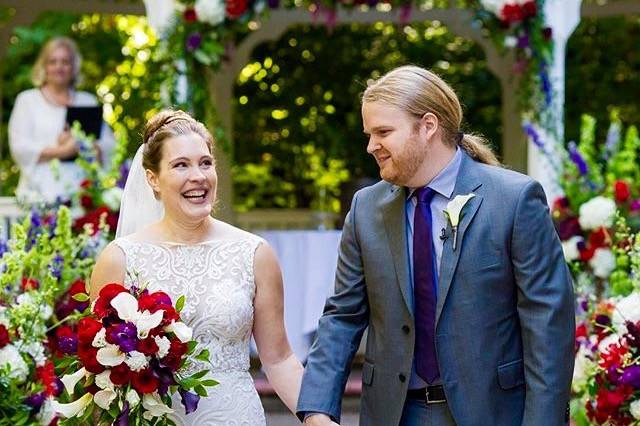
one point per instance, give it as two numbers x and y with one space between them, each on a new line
457 19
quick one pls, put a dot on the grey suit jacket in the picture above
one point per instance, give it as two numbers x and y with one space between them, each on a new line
505 310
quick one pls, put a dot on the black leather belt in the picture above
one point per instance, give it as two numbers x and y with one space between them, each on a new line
430 394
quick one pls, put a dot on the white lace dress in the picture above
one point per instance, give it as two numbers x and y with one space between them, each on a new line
217 280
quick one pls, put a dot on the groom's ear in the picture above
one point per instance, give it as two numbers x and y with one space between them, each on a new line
152 179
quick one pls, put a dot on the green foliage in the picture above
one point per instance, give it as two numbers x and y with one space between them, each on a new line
297 121
601 69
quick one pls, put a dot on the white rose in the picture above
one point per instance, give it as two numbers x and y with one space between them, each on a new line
136 360
111 197
163 346
627 309
570 248
9 355
603 262
634 409
210 11
597 212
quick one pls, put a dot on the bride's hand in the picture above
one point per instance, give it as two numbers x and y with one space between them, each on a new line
319 420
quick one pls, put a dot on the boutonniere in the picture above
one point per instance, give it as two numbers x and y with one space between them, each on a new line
453 212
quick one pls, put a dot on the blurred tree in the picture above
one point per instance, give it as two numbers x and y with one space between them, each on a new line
603 73
298 105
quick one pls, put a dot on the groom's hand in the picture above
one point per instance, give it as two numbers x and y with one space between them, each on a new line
318 420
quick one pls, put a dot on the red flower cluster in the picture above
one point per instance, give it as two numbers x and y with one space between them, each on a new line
514 13
236 8
29 284
47 376
93 218
190 15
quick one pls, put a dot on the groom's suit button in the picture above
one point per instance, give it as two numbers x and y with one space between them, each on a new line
406 329
402 377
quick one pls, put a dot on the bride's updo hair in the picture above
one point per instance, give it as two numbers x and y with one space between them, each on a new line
165 125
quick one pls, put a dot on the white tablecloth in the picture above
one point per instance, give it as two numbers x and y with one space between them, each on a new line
308 260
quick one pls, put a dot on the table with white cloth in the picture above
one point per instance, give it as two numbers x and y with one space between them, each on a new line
308 259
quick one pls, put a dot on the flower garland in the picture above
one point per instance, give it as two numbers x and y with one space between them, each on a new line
201 34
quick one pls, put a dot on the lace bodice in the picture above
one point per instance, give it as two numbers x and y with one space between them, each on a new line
216 278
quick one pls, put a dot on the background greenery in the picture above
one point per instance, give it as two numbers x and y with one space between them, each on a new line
297 128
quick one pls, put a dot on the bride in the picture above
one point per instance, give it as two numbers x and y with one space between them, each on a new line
230 278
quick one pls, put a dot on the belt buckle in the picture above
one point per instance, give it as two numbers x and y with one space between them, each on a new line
431 401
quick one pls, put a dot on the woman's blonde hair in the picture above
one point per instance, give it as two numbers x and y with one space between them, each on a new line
39 72
419 91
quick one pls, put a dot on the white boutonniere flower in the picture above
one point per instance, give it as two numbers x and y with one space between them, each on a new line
453 212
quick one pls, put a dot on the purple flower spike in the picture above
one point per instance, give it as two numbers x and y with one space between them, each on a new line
194 40
123 418
523 41
190 401
631 376
577 159
534 136
125 335
635 205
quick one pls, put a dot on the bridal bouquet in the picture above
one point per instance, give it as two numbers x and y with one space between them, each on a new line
131 358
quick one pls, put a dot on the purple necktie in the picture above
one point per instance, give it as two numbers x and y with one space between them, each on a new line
424 287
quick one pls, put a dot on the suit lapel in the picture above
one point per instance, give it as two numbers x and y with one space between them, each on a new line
393 212
466 183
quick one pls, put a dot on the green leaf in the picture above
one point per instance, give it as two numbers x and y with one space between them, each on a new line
198 375
202 57
81 297
180 303
209 382
203 356
200 390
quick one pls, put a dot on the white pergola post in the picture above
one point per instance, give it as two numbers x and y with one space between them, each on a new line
563 17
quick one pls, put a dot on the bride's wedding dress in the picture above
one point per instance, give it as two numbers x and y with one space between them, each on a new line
216 277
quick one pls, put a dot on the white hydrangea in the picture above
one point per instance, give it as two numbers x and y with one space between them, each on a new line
583 364
163 346
597 212
112 197
627 309
36 351
603 262
570 248
634 409
210 11
136 360
9 355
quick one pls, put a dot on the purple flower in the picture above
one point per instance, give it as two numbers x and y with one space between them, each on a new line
635 205
546 85
613 139
124 173
273 4
194 40
3 247
603 320
568 228
189 400
68 344
613 375
56 266
123 417
523 41
534 136
631 376
35 401
124 335
577 159
405 13
164 376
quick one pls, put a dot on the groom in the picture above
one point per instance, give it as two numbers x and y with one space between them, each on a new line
470 315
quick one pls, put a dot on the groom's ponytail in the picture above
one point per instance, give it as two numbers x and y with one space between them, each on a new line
419 91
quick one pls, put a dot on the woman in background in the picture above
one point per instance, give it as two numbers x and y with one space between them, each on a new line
38 133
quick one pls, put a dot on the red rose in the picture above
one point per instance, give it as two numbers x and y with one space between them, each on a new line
236 8
587 254
144 381
153 301
512 13
622 191
85 184
29 284
190 15
87 355
120 374
598 238
176 351
529 9
4 336
47 376
103 307
147 346
581 331
87 330
86 202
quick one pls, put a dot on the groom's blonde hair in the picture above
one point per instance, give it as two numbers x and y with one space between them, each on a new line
418 91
